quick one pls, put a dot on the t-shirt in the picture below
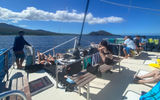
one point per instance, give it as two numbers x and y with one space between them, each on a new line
129 43
19 43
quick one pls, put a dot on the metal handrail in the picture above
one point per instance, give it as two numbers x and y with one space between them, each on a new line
6 51
59 45
13 92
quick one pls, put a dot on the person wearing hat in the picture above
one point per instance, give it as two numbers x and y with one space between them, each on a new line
18 46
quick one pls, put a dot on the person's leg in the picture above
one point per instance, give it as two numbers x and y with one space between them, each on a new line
151 74
22 56
128 50
17 59
152 80
21 62
125 53
17 62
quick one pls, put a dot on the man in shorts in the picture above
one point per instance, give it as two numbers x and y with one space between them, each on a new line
128 46
18 48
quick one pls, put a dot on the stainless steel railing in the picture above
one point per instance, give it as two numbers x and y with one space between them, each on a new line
11 93
6 61
55 47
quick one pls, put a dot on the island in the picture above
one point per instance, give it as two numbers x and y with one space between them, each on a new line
7 29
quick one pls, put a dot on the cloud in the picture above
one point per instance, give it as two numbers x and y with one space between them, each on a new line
34 14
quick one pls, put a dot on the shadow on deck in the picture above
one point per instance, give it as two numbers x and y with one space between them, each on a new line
143 56
118 82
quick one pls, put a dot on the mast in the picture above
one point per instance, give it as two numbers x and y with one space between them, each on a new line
85 14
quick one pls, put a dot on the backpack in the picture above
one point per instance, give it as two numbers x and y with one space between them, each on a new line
73 68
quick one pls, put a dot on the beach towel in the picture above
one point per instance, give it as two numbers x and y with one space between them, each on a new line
87 60
156 65
153 94
96 58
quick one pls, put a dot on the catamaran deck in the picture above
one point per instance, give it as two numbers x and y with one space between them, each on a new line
109 87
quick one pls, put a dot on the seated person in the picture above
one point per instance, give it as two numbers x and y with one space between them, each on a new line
143 43
137 43
128 46
155 74
51 60
104 52
41 58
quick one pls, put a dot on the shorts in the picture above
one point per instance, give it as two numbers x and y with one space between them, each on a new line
128 50
19 54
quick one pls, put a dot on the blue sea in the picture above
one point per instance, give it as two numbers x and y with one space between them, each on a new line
43 43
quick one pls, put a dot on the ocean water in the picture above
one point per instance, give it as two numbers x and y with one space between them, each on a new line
43 43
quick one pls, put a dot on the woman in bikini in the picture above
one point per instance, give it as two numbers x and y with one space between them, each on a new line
105 54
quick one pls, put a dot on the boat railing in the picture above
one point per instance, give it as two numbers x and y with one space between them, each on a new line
75 39
6 61
6 94
8 58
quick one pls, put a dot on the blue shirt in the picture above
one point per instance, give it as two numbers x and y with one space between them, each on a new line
19 43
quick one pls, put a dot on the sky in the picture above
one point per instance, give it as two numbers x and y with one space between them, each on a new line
131 17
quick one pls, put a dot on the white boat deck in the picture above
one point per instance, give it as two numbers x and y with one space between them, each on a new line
109 87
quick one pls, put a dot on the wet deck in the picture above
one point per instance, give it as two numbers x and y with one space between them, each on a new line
109 87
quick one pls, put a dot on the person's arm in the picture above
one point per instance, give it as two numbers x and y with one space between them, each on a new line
26 43
125 42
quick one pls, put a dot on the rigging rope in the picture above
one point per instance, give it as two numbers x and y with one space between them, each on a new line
128 6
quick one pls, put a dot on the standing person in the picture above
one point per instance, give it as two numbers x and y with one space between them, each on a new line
18 48
128 46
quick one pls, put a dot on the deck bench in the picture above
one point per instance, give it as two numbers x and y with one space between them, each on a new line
82 81
19 83
104 67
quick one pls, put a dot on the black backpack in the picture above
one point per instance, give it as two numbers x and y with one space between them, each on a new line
73 68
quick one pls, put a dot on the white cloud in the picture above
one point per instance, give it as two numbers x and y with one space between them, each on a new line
34 14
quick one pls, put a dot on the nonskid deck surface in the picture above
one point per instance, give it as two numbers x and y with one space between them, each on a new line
109 87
